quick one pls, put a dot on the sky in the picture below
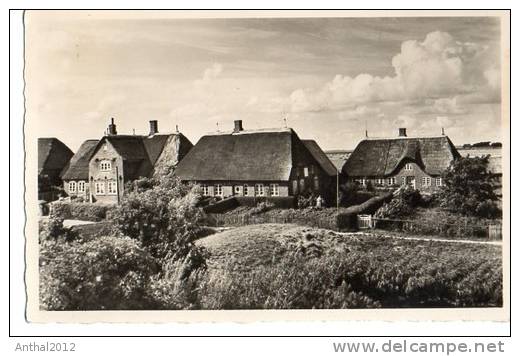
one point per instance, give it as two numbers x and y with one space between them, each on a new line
331 79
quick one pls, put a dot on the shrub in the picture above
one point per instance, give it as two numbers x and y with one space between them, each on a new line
109 273
80 211
262 207
53 230
165 219
405 200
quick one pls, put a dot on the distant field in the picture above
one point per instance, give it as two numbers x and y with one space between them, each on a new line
260 261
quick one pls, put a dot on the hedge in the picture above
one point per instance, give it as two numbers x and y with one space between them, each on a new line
80 211
234 202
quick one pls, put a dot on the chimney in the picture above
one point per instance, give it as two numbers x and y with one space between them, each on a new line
402 132
154 128
238 126
112 128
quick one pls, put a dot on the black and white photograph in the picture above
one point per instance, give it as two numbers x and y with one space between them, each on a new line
237 161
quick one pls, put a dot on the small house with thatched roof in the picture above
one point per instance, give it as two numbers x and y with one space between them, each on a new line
53 157
75 175
102 167
390 162
257 163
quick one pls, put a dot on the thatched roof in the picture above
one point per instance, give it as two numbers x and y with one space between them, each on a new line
383 157
244 156
78 165
141 154
53 155
320 157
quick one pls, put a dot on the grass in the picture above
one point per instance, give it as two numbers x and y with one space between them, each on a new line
290 266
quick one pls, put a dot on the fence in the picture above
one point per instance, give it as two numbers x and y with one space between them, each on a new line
245 219
459 230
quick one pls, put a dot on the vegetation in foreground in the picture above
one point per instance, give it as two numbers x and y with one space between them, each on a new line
151 254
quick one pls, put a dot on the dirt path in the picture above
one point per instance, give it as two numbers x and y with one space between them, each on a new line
420 238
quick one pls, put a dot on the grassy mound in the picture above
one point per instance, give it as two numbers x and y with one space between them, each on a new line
289 266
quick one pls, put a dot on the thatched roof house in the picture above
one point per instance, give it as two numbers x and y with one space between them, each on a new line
77 168
394 161
53 157
267 162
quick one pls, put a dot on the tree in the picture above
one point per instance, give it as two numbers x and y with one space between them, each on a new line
469 188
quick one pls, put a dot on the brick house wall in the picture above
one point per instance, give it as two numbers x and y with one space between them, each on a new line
101 176
77 192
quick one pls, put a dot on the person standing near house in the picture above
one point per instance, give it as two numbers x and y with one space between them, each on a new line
319 201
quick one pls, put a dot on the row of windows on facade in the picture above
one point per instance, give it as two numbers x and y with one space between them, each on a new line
256 190
99 187
425 181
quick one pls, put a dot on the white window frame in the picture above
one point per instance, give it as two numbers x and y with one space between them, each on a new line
81 186
246 190
99 188
205 190
110 185
408 167
305 171
259 190
380 181
105 166
72 186
426 181
274 188
438 181
218 190
391 181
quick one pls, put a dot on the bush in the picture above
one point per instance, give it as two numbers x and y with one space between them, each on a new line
53 230
109 273
404 201
80 211
262 207
165 219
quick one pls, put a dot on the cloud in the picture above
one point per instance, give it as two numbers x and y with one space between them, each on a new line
434 69
210 74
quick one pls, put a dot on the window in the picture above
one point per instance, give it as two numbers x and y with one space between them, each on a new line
112 187
392 181
295 187
316 183
302 185
426 181
238 189
305 171
311 169
100 188
81 186
72 187
259 190
218 190
105 166
380 181
104 147
438 182
205 190
408 167
275 190
246 189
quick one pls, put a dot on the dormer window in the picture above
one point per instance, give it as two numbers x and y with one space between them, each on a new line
105 166
408 167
